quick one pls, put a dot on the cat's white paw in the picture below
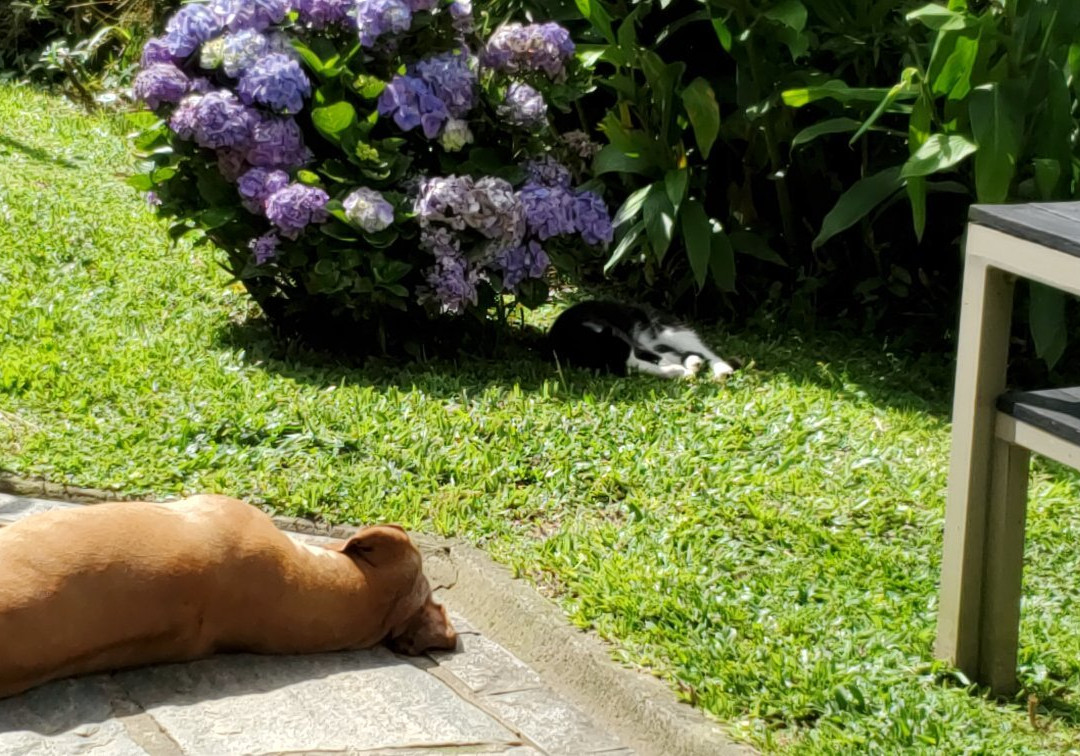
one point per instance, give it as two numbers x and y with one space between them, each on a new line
721 370
693 363
674 371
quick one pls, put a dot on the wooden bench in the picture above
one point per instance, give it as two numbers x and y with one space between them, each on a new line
993 434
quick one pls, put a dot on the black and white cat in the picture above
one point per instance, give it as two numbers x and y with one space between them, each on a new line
618 338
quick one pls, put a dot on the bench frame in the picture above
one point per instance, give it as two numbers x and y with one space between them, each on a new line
982 562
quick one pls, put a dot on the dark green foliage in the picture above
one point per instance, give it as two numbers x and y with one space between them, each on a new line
834 146
986 108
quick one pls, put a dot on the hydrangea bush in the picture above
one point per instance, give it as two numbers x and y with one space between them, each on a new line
369 162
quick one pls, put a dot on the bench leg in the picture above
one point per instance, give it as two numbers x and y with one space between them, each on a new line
985 318
1004 560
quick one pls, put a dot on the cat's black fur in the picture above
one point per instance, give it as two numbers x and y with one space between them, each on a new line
616 338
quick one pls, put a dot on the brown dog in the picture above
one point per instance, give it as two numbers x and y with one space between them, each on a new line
130 583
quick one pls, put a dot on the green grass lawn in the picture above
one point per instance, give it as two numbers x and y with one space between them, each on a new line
769 547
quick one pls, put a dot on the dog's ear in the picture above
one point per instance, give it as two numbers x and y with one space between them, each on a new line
378 545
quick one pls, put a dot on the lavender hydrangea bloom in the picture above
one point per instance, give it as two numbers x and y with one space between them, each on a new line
257 184
549 210
537 47
231 163
439 199
221 121
276 81
524 107
201 85
591 218
450 79
518 263
249 14
241 50
155 51
487 205
368 209
322 13
182 121
161 82
188 28
264 247
375 18
461 13
493 209
547 171
291 209
277 143
455 135
452 284
411 103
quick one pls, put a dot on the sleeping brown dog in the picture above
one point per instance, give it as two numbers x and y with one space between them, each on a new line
130 583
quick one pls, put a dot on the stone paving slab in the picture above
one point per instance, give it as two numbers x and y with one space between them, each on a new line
481 699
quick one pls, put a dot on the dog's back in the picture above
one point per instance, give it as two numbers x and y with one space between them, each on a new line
83 589
129 583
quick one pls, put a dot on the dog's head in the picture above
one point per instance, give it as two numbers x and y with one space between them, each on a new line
415 623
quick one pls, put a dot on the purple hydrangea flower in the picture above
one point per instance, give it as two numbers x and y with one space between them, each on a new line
277 143
591 218
450 79
524 107
201 85
160 82
518 263
249 14
547 171
514 48
241 50
493 209
291 209
368 209
264 247
277 81
461 13
231 163
322 13
219 120
488 206
182 120
375 18
439 199
549 210
411 103
452 284
188 28
155 51
257 184
152 199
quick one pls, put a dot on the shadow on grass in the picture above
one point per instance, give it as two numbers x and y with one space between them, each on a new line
35 153
855 365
